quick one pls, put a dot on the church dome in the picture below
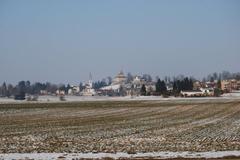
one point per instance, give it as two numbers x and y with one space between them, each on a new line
120 75
120 78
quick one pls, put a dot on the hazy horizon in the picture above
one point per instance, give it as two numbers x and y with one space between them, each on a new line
63 41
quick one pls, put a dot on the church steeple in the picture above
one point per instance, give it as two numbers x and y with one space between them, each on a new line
90 80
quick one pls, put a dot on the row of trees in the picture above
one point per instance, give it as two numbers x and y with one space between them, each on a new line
225 75
185 84
26 88
99 84
161 88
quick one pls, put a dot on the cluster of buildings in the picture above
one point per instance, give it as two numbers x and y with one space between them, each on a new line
230 85
120 86
207 88
226 85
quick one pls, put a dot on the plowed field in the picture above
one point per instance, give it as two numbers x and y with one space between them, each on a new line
130 127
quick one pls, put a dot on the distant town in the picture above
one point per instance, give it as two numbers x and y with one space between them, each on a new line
214 85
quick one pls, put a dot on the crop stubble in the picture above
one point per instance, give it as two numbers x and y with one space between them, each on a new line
139 126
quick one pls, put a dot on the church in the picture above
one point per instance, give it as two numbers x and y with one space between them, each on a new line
88 90
116 86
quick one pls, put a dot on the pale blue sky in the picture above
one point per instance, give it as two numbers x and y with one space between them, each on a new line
62 40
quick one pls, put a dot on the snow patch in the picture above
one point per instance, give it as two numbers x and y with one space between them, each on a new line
55 99
70 156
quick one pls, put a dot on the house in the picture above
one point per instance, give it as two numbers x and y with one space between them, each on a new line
225 86
43 92
134 87
73 90
234 84
151 87
196 93
210 84
207 91
202 92
238 85
113 87
60 92
229 85
197 85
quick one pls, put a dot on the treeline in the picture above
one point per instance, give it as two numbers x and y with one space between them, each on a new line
225 75
99 84
185 84
161 87
25 87
177 83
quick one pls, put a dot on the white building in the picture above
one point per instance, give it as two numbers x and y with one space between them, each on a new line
60 92
116 86
198 93
88 90
74 90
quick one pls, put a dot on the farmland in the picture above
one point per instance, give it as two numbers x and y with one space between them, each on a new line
120 126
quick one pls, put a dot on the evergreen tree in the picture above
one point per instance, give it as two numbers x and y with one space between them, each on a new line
219 84
217 92
143 90
158 86
21 87
99 84
185 84
20 91
175 87
163 87
179 86
81 87
28 87
10 90
191 84
4 90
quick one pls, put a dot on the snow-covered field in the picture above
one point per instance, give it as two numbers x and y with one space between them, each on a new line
53 99
160 155
120 127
